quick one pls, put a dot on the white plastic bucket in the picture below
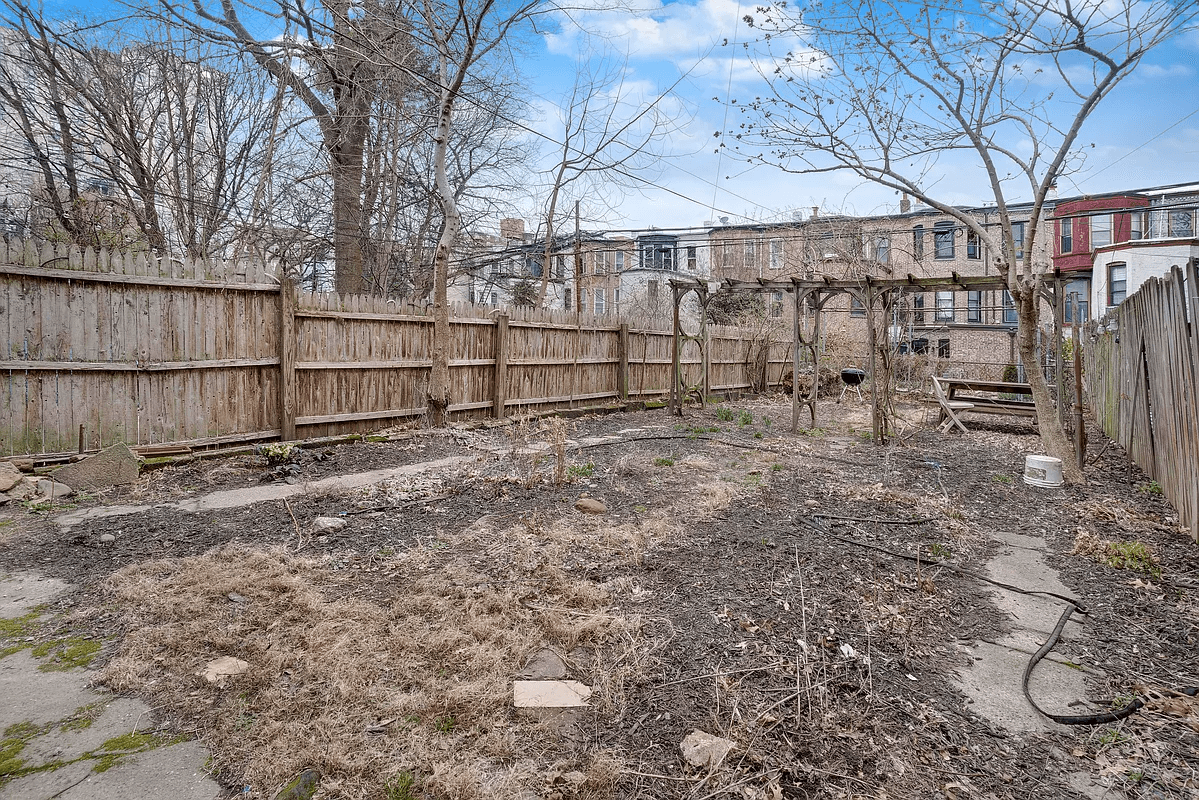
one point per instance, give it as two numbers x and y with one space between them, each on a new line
1043 471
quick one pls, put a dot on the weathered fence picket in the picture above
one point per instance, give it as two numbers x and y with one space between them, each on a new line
1142 376
145 350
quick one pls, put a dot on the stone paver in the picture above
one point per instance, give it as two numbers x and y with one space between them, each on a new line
50 699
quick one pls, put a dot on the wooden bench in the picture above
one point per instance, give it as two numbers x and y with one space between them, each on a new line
981 400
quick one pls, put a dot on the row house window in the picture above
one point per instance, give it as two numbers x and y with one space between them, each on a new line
944 311
1077 303
882 250
601 262
692 257
1101 230
1117 283
1018 240
1009 309
974 312
974 248
1066 236
1136 227
751 253
943 240
918 242
776 254
601 296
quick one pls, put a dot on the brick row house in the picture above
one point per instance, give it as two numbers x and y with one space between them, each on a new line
1103 246
1109 245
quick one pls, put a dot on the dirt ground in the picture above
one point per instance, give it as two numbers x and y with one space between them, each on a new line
726 588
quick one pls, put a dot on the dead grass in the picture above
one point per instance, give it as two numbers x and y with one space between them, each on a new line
409 674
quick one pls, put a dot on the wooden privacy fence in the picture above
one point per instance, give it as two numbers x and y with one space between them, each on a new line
1142 376
104 347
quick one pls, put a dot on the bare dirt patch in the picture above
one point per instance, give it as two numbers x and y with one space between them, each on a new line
717 592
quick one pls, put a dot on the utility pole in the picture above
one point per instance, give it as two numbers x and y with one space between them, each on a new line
578 263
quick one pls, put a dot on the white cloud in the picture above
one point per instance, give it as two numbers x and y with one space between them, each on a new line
1156 71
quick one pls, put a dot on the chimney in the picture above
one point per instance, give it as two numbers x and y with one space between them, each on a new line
797 216
905 203
512 229
815 211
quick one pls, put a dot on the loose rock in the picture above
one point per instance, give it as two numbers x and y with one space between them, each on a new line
301 787
52 490
589 505
107 538
220 668
10 476
545 665
702 749
328 524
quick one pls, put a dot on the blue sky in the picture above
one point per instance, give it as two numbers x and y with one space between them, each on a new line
1146 133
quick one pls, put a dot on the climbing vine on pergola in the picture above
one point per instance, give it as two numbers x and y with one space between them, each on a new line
876 295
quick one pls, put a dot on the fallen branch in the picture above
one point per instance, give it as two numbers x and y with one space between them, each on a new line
879 521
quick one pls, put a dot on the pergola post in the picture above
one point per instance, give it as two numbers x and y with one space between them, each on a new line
795 361
1059 303
676 407
872 343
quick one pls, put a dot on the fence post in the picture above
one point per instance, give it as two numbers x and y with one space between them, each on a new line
501 365
287 360
622 368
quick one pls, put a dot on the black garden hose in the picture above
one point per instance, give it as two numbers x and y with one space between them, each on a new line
1101 718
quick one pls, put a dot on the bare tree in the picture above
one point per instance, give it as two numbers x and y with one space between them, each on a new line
165 136
605 139
333 56
464 36
897 91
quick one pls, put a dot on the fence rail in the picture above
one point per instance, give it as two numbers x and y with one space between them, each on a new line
148 351
1142 379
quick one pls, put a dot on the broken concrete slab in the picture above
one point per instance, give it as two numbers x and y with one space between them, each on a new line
237 498
701 749
993 683
122 715
21 592
176 772
112 466
544 665
46 785
42 697
1088 787
549 694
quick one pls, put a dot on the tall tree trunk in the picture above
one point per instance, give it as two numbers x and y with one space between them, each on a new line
347 158
439 375
1053 436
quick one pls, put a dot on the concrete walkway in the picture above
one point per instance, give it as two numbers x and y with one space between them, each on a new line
237 498
64 740
992 682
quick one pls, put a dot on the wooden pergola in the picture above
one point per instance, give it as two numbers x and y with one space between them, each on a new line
869 291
